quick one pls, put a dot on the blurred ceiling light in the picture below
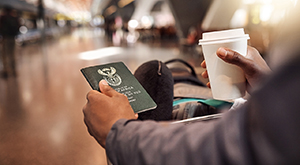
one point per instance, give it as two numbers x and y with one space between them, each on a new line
294 2
100 53
239 18
61 23
266 1
133 24
255 15
97 21
266 12
248 1
60 16
269 12
147 21
131 38
23 29
64 6
35 2
80 16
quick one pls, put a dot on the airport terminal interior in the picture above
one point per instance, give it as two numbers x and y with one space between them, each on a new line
42 91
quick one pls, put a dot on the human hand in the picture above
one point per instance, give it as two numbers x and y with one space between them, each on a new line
102 110
253 65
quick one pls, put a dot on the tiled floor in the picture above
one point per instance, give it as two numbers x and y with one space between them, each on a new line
41 120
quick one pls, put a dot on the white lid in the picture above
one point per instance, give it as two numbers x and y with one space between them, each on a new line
223 36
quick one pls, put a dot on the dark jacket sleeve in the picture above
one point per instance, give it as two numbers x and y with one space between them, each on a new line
150 142
264 131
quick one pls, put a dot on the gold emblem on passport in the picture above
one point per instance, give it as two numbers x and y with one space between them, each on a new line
110 76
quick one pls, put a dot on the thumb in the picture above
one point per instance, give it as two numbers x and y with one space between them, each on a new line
233 57
106 89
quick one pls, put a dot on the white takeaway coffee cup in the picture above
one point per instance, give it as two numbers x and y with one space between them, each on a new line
227 80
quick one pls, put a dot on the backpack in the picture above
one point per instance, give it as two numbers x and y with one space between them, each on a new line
192 99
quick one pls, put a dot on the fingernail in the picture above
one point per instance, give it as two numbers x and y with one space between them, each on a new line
222 52
103 82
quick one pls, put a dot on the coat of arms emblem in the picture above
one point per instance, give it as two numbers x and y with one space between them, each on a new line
110 76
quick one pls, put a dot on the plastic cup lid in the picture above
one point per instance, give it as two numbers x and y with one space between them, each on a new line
223 36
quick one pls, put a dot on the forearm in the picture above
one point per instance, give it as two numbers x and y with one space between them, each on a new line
151 143
145 143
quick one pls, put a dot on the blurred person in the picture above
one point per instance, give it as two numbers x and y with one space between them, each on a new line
192 37
9 28
264 130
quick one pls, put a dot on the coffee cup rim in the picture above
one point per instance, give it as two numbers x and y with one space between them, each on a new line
223 40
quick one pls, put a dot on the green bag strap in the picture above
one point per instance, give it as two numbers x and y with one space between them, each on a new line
211 102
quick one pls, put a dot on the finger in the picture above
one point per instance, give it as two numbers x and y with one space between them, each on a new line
91 93
232 57
203 64
136 116
204 74
208 85
106 89
88 127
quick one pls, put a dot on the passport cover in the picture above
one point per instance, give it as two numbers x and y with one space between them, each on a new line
119 77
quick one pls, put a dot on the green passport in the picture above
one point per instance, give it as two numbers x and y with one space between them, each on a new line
119 77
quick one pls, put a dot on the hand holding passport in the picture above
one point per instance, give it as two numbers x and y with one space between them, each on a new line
119 77
105 108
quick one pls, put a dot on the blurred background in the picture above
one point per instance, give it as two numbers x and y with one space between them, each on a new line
45 43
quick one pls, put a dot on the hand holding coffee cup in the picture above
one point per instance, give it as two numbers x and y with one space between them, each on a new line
253 65
227 81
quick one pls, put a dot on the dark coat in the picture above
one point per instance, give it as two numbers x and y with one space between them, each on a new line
263 131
